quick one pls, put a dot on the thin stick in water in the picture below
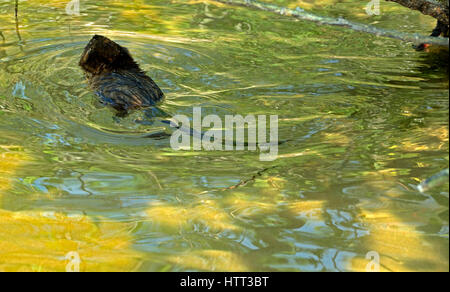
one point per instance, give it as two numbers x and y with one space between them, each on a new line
16 14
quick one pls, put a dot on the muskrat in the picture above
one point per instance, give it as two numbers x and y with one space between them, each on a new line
120 83
116 78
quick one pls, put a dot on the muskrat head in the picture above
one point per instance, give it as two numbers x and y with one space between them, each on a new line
103 55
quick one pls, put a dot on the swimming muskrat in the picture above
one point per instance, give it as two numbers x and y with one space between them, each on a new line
116 78
120 83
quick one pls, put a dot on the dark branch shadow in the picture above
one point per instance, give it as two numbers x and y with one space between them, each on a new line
16 14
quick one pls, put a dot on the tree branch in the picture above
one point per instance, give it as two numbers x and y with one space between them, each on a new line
303 15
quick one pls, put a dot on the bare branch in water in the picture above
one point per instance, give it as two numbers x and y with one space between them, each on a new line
16 14
435 9
303 15
252 179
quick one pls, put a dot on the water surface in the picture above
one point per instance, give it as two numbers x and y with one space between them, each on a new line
365 118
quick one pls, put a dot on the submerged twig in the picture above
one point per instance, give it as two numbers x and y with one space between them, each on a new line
16 14
253 178
83 185
155 178
303 15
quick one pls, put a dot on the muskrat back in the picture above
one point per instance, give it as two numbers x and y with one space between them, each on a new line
116 78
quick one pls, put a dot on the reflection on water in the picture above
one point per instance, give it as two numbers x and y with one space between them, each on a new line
367 119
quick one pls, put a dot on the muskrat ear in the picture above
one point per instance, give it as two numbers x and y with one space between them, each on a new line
124 60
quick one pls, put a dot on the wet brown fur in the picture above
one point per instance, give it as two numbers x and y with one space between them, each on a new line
116 78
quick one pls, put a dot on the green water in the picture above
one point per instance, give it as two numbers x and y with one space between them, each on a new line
366 119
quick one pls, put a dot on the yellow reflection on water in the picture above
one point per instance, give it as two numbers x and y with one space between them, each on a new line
39 241
211 260
11 158
402 248
206 213
394 232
